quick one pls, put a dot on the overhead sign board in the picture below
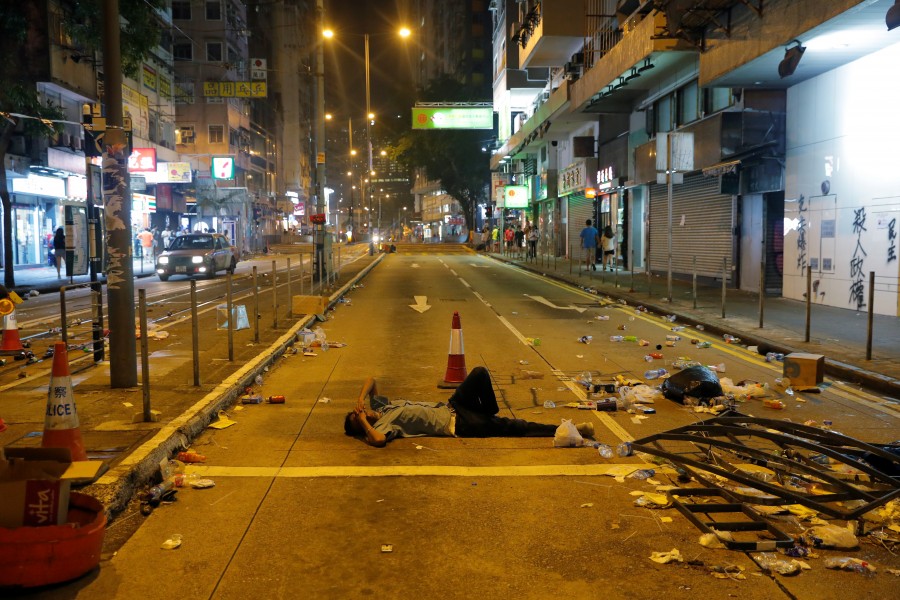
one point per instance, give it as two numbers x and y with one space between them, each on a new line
453 118
142 160
222 167
515 196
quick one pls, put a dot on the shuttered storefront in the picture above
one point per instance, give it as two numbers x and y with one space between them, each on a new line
580 209
707 231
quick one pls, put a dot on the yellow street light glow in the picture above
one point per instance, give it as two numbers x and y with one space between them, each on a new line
384 152
327 34
371 115
328 116
404 32
353 153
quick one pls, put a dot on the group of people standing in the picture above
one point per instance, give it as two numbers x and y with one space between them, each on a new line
597 246
514 239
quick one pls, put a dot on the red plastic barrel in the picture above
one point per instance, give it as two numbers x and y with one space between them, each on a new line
34 556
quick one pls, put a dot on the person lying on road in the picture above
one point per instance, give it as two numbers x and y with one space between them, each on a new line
471 412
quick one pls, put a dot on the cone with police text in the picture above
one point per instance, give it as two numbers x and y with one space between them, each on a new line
11 343
61 427
456 358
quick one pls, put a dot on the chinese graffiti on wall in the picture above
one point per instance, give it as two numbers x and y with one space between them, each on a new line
857 277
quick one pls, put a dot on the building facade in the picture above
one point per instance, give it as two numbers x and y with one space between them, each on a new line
738 125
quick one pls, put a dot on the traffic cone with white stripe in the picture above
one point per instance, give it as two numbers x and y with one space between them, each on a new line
11 342
456 359
61 426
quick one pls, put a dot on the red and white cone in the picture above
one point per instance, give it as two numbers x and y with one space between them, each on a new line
61 426
11 342
456 358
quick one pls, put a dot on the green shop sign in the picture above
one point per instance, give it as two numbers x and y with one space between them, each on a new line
453 118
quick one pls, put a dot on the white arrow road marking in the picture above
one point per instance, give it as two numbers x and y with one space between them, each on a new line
421 304
546 302
478 266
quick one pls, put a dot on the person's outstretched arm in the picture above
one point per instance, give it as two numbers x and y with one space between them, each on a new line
368 389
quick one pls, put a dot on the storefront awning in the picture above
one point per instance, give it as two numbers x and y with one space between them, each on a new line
722 168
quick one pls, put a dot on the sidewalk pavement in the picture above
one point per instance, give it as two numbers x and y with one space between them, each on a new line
838 334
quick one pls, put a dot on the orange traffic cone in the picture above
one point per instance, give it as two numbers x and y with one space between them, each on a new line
11 342
61 422
456 359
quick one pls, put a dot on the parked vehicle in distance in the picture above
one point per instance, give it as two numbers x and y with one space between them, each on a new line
197 254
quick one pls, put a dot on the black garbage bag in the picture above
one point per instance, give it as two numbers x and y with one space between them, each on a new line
698 382
885 465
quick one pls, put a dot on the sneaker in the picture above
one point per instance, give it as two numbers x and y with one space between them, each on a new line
585 429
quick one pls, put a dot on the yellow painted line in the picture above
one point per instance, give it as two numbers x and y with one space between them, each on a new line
419 471
614 427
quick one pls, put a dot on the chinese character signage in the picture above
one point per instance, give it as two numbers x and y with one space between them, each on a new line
150 78
223 167
453 118
232 89
142 160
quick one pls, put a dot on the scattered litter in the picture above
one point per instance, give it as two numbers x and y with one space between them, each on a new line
727 572
587 505
653 500
324 400
190 457
173 542
567 435
202 484
848 563
386 548
223 421
772 562
830 536
549 404
665 558
523 362
715 539
127 404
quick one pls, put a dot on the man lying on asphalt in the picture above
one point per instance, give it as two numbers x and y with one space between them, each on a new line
470 412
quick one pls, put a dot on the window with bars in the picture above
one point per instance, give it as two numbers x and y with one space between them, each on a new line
214 51
181 10
216 134
214 10
183 51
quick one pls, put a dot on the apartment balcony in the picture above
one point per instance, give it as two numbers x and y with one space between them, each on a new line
637 63
550 33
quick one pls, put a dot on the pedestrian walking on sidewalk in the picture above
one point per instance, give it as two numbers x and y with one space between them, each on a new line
520 238
608 244
471 412
590 241
59 249
532 235
146 239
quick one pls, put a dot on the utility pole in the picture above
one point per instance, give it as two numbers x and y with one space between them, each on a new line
323 245
117 200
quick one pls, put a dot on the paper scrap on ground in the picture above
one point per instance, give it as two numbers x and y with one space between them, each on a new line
223 421
665 558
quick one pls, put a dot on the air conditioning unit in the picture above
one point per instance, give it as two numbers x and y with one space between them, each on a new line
573 71
184 135
77 143
577 59
63 140
545 95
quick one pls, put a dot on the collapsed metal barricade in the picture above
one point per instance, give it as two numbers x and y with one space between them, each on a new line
768 462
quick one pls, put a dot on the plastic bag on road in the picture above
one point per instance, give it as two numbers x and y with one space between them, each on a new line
697 382
567 435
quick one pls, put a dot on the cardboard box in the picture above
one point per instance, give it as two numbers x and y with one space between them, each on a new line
308 305
35 484
804 370
32 491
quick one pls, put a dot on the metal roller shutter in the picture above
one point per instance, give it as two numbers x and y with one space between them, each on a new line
580 209
707 232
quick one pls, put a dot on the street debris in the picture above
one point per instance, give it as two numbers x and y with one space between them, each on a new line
665 558
173 542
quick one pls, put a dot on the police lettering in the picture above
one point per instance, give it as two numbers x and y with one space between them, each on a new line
60 410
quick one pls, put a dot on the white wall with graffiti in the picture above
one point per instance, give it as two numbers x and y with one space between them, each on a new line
842 193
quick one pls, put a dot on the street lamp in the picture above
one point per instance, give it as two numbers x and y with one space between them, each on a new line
403 32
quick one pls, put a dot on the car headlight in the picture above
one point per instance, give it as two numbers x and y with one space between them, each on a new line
375 238
163 260
196 259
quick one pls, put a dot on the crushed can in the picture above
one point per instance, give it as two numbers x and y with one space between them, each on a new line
275 400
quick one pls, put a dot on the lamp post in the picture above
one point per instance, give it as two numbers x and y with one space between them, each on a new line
403 32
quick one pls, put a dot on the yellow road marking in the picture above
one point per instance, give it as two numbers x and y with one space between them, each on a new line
419 471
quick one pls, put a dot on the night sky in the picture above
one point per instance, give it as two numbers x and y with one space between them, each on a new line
391 60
